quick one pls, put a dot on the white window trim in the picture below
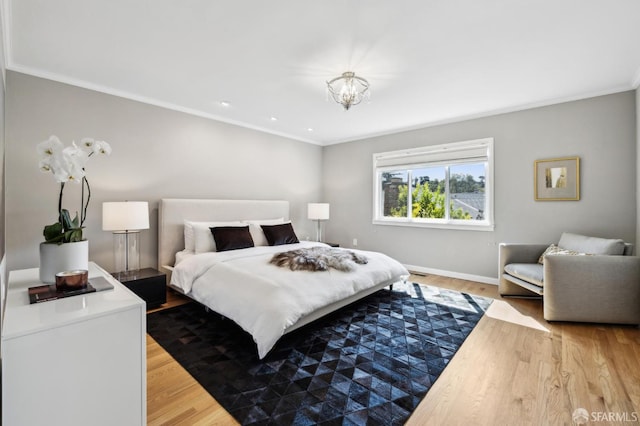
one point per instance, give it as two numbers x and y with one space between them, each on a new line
440 154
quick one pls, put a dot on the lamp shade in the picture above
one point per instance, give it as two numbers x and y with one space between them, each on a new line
125 216
318 211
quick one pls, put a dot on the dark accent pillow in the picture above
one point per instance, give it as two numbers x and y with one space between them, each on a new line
231 237
278 235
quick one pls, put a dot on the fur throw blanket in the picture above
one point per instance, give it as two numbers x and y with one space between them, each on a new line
318 259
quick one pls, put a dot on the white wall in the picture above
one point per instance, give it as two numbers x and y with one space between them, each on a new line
157 153
601 131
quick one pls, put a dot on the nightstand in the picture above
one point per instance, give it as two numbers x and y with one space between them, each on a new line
148 283
78 360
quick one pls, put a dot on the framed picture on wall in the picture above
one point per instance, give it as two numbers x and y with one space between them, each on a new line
557 179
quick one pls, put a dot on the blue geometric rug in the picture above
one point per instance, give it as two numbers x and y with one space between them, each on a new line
368 363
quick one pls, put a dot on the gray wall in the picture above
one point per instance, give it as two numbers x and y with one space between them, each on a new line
2 190
601 131
157 153
3 276
637 168
162 153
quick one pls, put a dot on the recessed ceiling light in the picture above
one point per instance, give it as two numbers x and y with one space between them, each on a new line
309 129
274 118
224 103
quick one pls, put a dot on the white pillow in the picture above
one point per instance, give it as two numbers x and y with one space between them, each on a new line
189 239
256 231
202 237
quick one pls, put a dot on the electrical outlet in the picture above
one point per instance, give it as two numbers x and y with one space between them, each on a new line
355 242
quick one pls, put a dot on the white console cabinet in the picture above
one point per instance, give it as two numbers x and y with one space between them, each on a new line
79 361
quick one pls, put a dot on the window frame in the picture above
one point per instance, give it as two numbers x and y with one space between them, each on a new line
442 155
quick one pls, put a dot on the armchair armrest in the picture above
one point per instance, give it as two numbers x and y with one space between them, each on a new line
516 253
603 289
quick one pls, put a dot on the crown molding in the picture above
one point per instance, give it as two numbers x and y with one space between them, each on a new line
147 100
507 110
152 101
198 113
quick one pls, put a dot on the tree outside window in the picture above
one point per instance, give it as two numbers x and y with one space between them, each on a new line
441 186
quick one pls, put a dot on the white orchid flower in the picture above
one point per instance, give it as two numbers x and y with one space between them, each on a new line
45 165
61 176
50 147
87 144
102 147
75 154
53 163
72 164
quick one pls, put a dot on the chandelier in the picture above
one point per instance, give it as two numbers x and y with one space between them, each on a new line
348 89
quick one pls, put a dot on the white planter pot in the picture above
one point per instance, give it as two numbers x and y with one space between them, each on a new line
56 258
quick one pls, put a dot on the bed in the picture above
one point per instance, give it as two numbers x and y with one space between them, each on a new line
266 300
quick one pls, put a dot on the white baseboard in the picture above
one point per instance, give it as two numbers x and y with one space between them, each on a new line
459 275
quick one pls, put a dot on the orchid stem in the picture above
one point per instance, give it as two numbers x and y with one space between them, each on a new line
85 206
60 202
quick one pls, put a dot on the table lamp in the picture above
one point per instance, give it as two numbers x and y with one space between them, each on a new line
125 219
318 212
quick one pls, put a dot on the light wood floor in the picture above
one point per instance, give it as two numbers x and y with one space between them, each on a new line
514 369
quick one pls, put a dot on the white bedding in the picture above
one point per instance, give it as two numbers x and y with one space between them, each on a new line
181 255
265 299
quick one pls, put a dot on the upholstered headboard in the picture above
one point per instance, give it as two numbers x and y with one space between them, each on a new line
172 213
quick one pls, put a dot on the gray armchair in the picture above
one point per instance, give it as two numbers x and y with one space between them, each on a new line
602 287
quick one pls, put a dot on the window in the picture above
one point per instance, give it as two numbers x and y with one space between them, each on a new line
446 186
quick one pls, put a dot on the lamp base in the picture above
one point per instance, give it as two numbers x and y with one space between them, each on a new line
126 250
319 231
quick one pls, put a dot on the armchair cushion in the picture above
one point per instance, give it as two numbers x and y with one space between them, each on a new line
530 272
512 253
591 245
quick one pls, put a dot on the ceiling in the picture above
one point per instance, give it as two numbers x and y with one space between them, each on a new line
427 61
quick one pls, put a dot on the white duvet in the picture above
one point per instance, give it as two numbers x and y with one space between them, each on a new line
265 299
